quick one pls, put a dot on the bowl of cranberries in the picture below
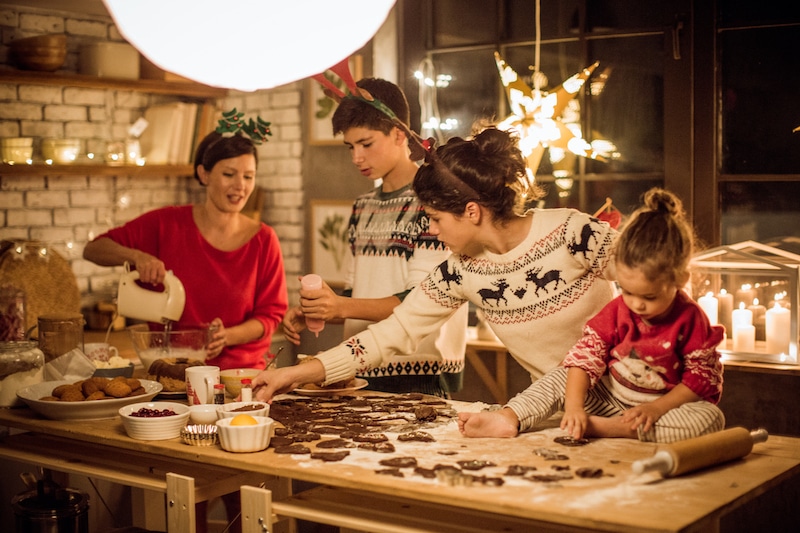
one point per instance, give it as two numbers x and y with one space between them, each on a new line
154 420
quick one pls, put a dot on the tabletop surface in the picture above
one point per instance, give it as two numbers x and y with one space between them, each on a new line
616 500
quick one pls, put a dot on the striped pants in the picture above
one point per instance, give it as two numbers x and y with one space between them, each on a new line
545 397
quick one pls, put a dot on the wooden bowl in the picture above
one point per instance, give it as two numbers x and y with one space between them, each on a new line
43 52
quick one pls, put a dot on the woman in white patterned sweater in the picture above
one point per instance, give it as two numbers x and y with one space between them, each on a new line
537 274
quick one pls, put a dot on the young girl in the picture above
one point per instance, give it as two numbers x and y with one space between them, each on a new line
537 274
647 366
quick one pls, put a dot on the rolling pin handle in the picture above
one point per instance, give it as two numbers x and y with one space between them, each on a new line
759 435
661 462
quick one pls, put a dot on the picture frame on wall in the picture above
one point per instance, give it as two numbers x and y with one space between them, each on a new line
328 237
321 108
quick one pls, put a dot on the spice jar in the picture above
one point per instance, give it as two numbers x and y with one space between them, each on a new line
247 390
21 365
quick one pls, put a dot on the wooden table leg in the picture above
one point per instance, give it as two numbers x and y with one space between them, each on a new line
497 383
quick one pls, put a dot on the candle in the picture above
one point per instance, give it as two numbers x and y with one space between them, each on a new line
744 338
758 319
777 329
745 294
710 306
741 316
725 309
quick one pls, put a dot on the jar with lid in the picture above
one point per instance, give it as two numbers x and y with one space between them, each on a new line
21 365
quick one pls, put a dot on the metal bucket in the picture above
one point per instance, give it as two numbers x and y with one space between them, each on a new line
51 511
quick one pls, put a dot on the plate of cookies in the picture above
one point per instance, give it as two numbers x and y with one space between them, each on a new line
87 399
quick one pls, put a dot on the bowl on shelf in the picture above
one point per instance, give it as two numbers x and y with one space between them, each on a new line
16 149
152 345
153 421
232 379
42 52
252 437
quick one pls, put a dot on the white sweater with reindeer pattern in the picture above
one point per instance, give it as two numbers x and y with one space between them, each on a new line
536 297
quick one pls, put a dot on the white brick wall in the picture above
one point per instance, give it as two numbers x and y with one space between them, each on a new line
67 211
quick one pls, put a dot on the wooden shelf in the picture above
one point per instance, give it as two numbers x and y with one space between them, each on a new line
188 89
95 169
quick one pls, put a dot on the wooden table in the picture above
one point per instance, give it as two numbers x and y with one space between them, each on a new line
353 495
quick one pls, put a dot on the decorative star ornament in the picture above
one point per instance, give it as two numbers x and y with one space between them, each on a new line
538 116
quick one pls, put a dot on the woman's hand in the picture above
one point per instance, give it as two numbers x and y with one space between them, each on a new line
150 268
219 338
278 381
293 323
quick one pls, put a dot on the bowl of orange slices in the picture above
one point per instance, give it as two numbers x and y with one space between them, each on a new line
245 433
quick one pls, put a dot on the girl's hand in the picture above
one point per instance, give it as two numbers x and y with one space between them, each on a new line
642 416
219 338
575 422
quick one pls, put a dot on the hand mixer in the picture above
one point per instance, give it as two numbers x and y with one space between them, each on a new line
135 301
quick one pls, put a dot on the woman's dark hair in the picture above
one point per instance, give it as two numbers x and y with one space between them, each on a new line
488 169
356 113
657 238
215 147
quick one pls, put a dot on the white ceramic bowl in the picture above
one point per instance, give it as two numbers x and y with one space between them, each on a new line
232 379
61 150
204 413
16 149
229 410
154 428
243 439
91 410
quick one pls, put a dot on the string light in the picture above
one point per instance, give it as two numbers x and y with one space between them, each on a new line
429 83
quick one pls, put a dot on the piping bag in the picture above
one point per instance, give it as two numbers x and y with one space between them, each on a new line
701 452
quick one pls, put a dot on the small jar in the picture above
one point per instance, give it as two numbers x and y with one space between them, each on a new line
12 314
219 393
247 390
22 365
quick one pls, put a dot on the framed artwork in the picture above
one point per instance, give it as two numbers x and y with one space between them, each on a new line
321 108
329 219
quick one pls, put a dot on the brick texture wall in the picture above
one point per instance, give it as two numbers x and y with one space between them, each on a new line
67 211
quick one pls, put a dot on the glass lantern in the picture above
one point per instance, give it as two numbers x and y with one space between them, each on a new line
752 290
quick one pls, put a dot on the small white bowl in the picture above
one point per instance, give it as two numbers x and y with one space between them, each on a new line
232 378
254 408
157 427
204 413
244 439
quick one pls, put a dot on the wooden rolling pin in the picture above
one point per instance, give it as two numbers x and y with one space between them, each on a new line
701 452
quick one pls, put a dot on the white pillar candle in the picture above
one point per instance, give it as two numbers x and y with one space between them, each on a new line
745 294
778 329
741 316
725 309
710 306
759 312
744 338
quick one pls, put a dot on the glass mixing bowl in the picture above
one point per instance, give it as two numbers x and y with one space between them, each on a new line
151 345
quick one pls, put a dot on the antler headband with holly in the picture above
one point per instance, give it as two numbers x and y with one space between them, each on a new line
232 123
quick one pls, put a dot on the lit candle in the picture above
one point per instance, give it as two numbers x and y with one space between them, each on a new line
725 309
709 305
777 329
745 294
744 338
741 316
758 318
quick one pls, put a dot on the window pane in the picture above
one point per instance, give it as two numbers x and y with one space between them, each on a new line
629 110
464 22
473 90
734 13
559 19
759 211
760 103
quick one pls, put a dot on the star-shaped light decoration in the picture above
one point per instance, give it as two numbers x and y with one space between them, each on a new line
538 117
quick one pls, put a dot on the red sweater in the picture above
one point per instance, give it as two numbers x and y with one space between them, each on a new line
652 358
245 283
